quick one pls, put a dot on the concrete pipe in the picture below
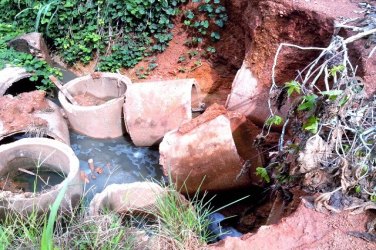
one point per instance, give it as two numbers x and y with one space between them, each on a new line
103 120
33 115
152 109
10 75
38 155
138 197
212 152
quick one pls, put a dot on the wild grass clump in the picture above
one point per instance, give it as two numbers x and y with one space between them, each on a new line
173 223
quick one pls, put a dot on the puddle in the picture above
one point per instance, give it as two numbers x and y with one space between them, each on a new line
119 159
31 176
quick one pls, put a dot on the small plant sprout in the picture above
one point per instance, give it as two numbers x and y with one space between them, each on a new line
292 86
263 174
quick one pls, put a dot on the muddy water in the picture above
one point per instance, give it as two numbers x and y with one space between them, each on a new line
116 161
31 175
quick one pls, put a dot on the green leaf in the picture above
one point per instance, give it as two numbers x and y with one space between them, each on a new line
312 124
263 173
274 120
332 94
309 102
336 69
292 86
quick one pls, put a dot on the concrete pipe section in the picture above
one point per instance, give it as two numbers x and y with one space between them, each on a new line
152 109
30 114
212 152
32 173
137 197
10 75
100 98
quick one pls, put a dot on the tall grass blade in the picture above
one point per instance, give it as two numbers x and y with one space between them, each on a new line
47 234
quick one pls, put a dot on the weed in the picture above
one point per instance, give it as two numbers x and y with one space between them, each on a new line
39 68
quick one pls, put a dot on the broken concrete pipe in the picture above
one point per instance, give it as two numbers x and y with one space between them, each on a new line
136 198
249 97
212 152
104 93
152 109
11 75
35 154
33 115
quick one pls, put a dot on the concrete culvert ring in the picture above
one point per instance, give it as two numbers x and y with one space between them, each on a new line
11 75
136 198
32 115
50 156
152 109
103 118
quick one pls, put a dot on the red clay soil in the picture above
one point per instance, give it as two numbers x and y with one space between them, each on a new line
17 113
305 229
87 99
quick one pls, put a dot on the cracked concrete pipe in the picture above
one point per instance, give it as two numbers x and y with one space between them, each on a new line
15 158
152 109
138 197
212 152
32 114
10 75
101 120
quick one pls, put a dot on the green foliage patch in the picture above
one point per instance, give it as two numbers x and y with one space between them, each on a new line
116 33
8 56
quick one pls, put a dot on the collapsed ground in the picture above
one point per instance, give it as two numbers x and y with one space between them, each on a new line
265 24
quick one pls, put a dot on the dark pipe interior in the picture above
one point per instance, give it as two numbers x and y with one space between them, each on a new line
23 85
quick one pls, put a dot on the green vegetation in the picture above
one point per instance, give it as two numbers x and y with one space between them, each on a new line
116 33
8 56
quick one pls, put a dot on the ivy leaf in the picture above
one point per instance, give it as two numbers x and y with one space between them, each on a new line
260 171
308 103
274 120
292 86
312 124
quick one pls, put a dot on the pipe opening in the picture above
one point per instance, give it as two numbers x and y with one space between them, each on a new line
21 86
25 174
17 136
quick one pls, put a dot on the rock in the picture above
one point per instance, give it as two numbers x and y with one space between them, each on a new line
32 43
137 197
304 229
10 75
212 152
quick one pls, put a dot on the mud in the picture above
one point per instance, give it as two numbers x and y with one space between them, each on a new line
88 99
16 113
